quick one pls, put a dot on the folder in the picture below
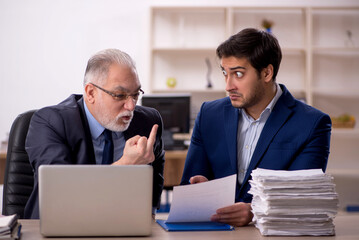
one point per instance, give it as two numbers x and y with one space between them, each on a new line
194 226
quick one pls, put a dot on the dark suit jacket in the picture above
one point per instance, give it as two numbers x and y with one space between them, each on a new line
295 136
60 134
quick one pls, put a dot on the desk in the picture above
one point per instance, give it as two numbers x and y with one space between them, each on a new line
173 169
346 226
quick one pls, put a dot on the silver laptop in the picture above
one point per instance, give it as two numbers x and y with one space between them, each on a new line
95 200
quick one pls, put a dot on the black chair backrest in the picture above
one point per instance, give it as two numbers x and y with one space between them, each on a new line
19 177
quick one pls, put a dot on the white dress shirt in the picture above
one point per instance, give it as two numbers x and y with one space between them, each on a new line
248 134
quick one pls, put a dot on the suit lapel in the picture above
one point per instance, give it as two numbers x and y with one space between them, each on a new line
230 129
281 112
88 137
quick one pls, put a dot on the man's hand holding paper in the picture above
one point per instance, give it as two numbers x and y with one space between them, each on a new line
199 202
237 214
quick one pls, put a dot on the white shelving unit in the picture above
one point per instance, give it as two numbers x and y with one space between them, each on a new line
182 38
334 77
293 43
320 62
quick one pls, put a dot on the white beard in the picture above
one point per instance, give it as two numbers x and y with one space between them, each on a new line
114 124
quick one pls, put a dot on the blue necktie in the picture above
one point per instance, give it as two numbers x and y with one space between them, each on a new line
107 155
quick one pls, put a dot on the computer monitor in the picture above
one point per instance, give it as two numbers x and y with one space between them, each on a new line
175 110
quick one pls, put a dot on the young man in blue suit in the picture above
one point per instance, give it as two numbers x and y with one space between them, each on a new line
259 125
79 129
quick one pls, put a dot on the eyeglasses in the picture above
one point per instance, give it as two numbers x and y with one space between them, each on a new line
121 97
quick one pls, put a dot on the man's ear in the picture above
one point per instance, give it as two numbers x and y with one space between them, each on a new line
90 93
267 73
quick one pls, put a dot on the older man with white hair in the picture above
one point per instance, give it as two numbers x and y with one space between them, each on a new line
102 126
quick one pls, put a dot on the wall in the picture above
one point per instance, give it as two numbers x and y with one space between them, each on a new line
44 45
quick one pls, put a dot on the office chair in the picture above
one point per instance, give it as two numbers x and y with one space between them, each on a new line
19 177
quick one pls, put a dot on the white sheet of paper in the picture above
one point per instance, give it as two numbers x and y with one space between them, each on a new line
198 202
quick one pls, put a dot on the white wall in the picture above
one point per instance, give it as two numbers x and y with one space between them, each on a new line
45 44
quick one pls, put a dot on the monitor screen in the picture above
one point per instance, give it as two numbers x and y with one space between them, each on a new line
174 109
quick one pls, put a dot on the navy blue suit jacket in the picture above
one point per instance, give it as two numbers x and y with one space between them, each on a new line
60 134
295 136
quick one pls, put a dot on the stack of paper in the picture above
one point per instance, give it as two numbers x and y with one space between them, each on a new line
302 202
9 227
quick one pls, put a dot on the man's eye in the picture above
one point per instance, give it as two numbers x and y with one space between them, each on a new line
224 72
239 74
120 96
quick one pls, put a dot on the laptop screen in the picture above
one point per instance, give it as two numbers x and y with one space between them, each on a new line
95 200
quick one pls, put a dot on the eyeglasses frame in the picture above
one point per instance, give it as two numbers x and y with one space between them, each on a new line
121 97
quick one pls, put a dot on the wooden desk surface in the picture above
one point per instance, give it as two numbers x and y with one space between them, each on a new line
174 164
346 226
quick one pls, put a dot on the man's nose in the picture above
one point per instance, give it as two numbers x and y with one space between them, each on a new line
130 103
229 83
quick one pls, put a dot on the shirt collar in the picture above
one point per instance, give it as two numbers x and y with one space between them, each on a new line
275 99
269 107
96 128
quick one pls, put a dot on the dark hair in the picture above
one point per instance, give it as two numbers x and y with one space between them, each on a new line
259 47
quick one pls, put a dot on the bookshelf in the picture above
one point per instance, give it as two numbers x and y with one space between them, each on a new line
320 62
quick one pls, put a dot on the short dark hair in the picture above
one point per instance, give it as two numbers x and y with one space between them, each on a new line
259 47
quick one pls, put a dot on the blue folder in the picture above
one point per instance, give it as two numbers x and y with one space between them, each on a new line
194 226
352 208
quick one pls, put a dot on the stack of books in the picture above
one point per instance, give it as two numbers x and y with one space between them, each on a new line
10 228
293 203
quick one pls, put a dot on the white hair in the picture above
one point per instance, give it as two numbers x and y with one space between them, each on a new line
98 65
